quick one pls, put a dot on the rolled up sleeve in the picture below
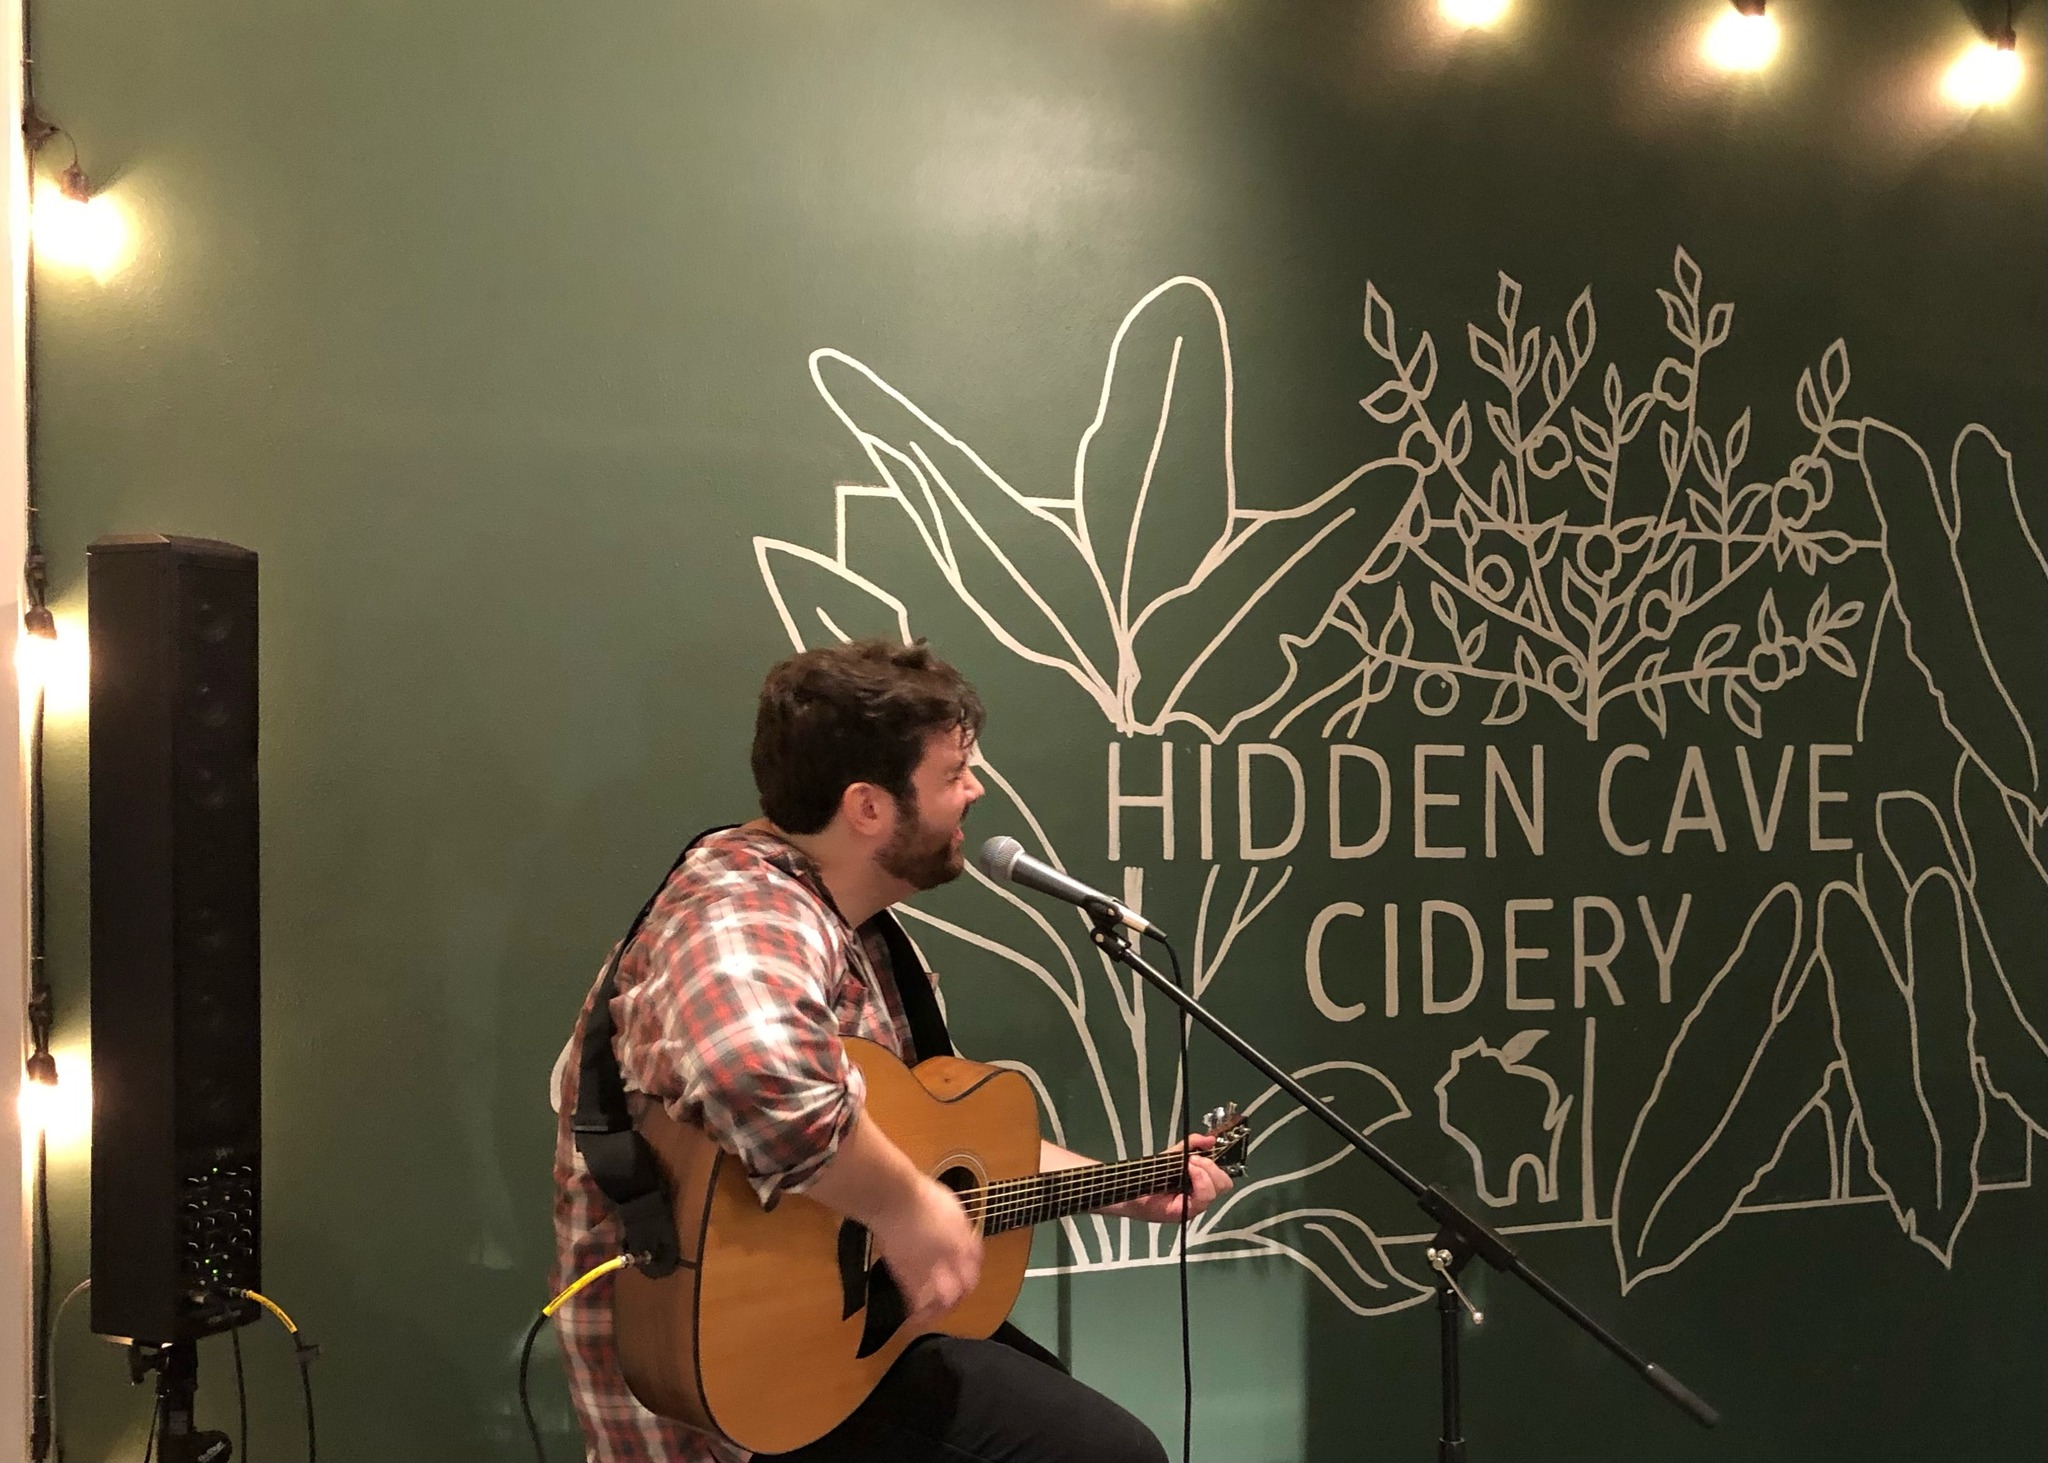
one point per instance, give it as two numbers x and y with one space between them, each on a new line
734 1029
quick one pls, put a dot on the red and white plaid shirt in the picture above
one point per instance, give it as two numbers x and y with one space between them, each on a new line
731 1002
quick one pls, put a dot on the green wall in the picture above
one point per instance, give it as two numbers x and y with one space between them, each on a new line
488 326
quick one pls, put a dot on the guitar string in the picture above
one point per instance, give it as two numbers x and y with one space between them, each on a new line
1012 1198
1080 1182
1086 1189
1046 1196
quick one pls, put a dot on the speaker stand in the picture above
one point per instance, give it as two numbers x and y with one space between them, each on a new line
176 1365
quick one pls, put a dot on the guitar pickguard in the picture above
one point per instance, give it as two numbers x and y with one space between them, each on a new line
865 1284
886 1311
855 1252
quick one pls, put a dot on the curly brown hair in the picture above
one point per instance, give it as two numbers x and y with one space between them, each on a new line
858 712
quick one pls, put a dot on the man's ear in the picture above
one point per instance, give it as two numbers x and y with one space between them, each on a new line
867 810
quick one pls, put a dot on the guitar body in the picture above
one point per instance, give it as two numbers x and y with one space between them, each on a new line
780 1322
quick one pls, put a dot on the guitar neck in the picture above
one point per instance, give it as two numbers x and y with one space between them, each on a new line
1019 1203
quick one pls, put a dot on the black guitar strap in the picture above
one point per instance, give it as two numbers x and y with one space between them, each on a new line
928 1036
619 1159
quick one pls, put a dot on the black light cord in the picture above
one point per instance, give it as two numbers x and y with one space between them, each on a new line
41 1067
1187 1190
43 1424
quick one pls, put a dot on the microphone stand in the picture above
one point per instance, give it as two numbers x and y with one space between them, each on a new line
1459 1236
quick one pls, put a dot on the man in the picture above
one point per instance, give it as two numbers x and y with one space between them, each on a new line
756 957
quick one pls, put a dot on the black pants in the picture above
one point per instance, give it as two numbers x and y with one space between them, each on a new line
953 1401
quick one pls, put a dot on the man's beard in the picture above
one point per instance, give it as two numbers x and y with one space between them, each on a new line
921 857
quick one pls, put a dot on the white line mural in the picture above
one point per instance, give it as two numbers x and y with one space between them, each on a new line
1601 559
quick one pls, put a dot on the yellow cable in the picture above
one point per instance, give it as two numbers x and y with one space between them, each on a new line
616 1262
269 1305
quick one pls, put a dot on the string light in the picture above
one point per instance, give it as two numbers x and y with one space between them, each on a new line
76 228
58 1110
40 1094
1743 38
35 651
1473 14
50 658
1987 74
72 223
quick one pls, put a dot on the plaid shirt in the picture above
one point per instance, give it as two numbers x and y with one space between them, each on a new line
730 1004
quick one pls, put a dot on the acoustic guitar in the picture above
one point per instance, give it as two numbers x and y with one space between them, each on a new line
779 1322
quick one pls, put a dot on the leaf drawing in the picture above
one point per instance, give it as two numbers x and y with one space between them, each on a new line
1581 537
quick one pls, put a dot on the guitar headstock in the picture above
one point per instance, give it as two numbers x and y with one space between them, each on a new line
1232 1131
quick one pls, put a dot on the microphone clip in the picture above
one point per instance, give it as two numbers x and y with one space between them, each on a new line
1111 934
1114 914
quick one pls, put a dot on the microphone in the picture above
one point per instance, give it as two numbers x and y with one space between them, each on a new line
1004 858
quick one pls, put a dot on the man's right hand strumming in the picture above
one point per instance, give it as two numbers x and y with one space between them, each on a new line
921 1231
931 1248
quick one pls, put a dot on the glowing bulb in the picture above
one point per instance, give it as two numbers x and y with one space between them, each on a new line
38 1104
88 234
1476 14
54 664
1742 42
1986 75
35 657
59 1111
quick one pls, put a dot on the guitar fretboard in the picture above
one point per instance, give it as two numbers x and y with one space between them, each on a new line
1018 1203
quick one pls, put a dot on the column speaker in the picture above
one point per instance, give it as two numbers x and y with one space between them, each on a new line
176 1012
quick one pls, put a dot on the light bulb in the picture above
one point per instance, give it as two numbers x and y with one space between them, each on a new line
35 657
1473 14
59 1111
1739 41
86 234
55 664
1986 75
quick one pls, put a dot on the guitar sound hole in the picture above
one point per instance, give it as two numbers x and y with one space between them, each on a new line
963 1181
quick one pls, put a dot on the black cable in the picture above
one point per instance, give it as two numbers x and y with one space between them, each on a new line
44 1424
306 1355
540 1319
588 1277
241 1398
42 1429
41 1068
1187 1191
